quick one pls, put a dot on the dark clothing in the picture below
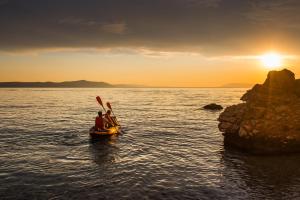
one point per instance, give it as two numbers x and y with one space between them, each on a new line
99 124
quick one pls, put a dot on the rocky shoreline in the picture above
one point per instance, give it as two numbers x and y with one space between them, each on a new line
268 122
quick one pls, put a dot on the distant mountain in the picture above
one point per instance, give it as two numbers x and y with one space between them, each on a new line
92 84
66 84
238 85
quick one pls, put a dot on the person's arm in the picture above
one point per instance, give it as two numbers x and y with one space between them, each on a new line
107 121
112 122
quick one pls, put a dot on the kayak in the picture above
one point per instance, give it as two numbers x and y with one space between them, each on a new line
107 132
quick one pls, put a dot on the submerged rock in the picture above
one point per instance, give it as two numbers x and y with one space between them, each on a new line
269 119
213 106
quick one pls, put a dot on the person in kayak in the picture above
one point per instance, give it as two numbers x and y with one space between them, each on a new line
99 122
109 122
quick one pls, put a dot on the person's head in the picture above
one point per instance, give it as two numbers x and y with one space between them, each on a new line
100 114
108 112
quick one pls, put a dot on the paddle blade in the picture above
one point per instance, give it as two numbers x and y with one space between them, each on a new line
108 105
99 100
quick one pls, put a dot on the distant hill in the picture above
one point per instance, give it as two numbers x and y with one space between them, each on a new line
92 84
238 85
66 84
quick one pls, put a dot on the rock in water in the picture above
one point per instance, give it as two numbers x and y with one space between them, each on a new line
268 122
213 106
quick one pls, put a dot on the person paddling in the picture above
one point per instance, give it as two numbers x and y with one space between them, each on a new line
108 119
99 122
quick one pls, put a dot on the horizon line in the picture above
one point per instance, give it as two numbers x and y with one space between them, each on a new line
110 85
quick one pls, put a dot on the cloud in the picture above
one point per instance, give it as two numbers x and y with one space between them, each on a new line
209 27
75 21
117 28
3 2
278 12
206 3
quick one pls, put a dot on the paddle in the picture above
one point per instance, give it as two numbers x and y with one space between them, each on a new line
109 106
100 102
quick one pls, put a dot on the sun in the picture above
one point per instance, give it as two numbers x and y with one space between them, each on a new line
271 60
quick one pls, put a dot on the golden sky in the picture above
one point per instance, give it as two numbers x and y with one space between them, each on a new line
166 70
170 43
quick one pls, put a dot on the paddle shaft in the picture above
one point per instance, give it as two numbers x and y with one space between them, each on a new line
109 106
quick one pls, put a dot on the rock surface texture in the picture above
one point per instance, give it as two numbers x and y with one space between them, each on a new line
268 122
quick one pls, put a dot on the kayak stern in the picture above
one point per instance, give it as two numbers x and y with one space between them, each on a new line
104 133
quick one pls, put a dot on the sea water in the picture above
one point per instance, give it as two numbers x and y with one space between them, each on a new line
169 148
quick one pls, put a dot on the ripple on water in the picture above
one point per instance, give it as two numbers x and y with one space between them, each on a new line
169 149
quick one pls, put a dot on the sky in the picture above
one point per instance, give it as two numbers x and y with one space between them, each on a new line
167 43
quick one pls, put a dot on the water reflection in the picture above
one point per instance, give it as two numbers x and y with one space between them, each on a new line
167 152
104 150
263 176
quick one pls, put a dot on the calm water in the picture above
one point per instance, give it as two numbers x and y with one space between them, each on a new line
169 148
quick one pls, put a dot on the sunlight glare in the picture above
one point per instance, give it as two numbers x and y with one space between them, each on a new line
271 60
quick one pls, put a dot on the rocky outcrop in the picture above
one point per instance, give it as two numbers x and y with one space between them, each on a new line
269 119
213 106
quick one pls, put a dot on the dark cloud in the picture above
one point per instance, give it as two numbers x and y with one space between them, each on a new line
206 26
275 13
